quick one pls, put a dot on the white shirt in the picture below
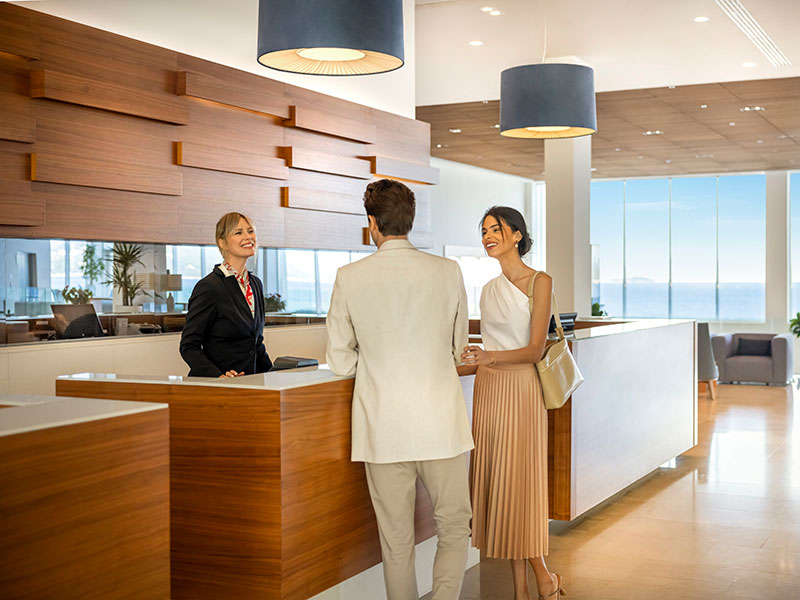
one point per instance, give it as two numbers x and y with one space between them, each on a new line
505 316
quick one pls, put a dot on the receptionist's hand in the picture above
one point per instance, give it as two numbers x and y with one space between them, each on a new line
231 374
475 355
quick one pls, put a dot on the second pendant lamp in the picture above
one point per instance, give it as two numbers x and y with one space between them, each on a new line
331 37
548 100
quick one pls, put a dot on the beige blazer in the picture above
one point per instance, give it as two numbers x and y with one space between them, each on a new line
398 321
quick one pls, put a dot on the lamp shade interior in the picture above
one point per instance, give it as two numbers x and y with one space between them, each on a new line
546 101
331 37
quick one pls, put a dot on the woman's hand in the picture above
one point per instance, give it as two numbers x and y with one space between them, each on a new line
475 355
231 373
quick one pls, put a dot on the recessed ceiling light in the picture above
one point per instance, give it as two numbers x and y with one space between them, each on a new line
495 13
654 132
476 43
759 141
455 130
487 9
672 87
594 169
616 149
732 123
701 19
749 108
641 157
438 145
704 106
669 160
496 125
748 64
484 102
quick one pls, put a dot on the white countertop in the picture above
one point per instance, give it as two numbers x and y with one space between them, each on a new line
601 330
32 413
276 380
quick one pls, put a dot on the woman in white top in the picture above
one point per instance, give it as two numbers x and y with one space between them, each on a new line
508 472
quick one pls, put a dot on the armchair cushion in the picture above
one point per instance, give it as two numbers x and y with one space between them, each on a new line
754 347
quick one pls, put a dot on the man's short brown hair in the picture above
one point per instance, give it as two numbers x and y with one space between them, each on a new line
392 204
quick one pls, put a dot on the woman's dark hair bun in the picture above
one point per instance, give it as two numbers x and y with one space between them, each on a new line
514 219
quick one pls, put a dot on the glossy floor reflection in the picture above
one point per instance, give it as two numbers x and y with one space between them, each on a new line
723 523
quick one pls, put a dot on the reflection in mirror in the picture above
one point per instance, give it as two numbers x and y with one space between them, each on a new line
145 288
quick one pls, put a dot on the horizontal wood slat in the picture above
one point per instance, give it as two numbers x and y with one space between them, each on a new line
229 161
16 205
400 169
324 122
310 160
421 239
16 36
72 170
292 197
108 96
206 87
16 120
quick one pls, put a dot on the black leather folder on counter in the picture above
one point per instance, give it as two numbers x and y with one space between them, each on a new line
567 322
292 362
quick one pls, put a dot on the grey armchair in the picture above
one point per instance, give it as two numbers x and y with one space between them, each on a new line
757 357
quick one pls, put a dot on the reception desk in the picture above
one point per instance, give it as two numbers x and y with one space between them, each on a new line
84 499
636 410
265 500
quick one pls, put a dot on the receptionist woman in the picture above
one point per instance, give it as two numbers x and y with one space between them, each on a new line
224 331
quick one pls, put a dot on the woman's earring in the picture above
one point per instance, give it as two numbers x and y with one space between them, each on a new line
516 244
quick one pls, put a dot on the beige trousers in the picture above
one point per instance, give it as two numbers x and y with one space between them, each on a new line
393 490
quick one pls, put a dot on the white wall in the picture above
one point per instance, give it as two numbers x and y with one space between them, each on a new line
463 195
227 33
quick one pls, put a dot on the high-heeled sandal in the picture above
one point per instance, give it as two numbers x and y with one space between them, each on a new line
559 591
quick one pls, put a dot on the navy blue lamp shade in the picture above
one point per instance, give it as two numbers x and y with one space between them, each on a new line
331 37
548 100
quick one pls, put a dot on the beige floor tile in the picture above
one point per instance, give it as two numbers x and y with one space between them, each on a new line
723 524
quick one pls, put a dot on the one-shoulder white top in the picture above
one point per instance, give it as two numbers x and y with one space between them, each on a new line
505 316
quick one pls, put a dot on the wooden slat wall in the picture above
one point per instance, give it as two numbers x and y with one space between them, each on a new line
86 510
156 145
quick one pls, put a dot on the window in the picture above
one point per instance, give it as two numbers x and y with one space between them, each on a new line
742 247
692 247
477 269
647 248
794 200
607 225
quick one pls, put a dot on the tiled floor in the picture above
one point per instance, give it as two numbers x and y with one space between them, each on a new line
724 523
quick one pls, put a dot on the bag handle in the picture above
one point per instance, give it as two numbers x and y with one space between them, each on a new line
554 306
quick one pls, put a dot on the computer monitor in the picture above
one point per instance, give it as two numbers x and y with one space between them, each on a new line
567 321
76 321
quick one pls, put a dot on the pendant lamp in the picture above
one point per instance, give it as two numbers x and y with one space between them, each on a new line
331 37
548 100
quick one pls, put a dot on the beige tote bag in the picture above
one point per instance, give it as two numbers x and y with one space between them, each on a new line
558 370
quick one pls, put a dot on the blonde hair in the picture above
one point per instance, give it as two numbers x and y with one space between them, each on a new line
227 225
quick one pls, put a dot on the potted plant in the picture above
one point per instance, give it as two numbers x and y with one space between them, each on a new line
794 325
77 295
125 257
598 311
273 303
93 267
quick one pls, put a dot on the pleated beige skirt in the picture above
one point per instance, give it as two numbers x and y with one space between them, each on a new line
508 471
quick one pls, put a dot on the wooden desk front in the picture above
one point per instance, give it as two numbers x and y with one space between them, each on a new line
265 500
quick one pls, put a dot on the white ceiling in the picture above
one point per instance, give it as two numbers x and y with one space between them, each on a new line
631 44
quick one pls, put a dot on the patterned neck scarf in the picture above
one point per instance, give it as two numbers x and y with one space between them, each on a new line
244 284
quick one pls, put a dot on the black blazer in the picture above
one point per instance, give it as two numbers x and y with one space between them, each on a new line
220 334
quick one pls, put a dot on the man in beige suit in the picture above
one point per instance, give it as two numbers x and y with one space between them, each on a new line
398 321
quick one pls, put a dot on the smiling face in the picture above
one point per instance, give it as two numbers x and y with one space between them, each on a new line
240 242
497 237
